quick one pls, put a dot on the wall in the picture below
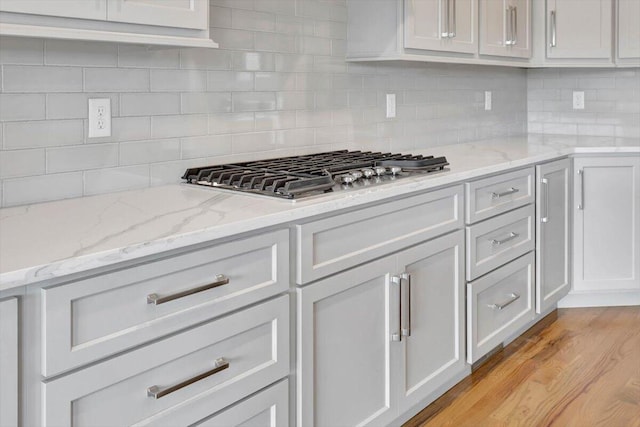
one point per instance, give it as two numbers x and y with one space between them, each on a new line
612 101
278 86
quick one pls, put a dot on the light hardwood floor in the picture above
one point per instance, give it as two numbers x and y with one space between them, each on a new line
581 370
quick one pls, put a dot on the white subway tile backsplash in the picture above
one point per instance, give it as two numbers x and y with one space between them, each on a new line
88 54
205 59
153 151
128 129
250 20
144 57
253 61
231 123
14 163
20 50
149 104
272 42
41 79
232 39
271 120
207 102
253 142
49 133
76 105
81 157
116 179
301 100
116 80
179 125
206 146
225 81
178 81
275 81
21 107
42 188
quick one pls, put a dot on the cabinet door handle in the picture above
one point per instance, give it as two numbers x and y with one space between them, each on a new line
452 33
507 22
514 26
156 299
545 190
396 335
445 19
512 190
405 298
581 204
553 29
513 298
510 237
157 392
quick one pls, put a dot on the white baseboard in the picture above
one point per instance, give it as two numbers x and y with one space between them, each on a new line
600 299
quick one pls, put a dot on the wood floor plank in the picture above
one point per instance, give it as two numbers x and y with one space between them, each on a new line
581 370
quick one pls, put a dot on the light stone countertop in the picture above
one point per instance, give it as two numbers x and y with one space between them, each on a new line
51 240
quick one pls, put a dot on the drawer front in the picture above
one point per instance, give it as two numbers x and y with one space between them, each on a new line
499 240
499 304
254 342
497 194
94 318
343 241
268 408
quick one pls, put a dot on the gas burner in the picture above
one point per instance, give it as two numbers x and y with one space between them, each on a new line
301 176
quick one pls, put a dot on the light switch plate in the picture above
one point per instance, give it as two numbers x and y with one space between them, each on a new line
487 100
99 117
391 105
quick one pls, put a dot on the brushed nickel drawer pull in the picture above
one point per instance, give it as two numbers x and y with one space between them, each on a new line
156 392
397 280
545 189
512 190
514 297
156 299
405 295
511 236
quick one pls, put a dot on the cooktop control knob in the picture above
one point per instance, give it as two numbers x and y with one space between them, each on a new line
368 173
380 170
356 175
395 170
347 179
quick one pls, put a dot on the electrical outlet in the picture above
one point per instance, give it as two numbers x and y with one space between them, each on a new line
578 100
99 117
391 105
487 100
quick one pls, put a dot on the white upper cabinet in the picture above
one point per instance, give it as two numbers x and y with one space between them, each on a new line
168 13
442 25
505 28
85 9
149 22
579 29
628 29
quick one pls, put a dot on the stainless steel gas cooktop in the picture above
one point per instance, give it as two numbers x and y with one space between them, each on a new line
301 176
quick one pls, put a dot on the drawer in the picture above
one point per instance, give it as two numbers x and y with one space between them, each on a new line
497 194
498 240
268 408
346 240
498 305
91 319
186 370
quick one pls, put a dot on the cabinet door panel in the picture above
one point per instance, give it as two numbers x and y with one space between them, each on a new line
434 352
85 9
168 13
628 29
552 233
344 349
582 28
521 46
607 224
9 362
493 27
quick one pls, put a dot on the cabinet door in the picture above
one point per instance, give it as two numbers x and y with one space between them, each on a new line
505 28
86 9
552 233
434 352
9 362
606 231
579 28
167 13
344 348
442 25
628 29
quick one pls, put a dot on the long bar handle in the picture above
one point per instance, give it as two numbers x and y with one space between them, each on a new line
405 296
445 19
509 33
553 29
545 183
514 26
452 33
397 280
156 299
511 190
510 237
157 392
513 298
581 204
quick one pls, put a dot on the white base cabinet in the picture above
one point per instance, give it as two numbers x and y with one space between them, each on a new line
606 227
553 244
9 367
373 342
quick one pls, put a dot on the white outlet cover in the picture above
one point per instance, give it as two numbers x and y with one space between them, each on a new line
487 100
391 105
578 100
99 117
